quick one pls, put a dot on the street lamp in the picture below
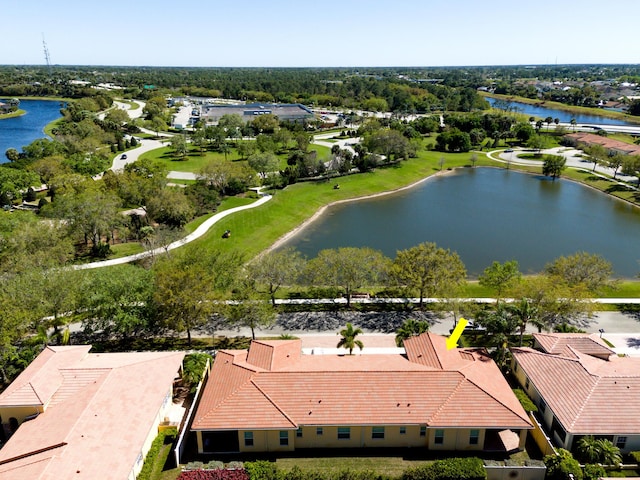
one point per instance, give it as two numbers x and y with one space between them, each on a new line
601 332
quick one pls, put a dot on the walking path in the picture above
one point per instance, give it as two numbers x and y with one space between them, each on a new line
199 232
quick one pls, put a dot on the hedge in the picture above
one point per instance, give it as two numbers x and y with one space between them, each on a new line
470 468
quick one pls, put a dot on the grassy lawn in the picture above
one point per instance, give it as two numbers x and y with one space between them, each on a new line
17 113
125 249
193 162
391 466
260 228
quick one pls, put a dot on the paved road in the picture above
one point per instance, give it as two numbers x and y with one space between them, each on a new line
621 329
574 159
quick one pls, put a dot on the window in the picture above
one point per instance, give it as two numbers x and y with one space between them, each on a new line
526 384
423 431
473 437
621 442
284 438
299 432
344 433
377 432
319 431
403 430
543 406
439 437
248 439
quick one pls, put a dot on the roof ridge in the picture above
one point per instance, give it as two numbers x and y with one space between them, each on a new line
273 403
446 401
585 402
497 399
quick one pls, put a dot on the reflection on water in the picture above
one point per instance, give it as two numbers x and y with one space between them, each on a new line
487 214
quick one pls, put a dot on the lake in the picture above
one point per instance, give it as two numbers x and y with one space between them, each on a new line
18 132
486 214
565 117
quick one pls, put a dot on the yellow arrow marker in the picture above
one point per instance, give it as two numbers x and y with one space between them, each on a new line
452 341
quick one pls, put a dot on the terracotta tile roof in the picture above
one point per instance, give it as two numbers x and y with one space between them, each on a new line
358 389
37 384
592 139
565 344
588 395
98 418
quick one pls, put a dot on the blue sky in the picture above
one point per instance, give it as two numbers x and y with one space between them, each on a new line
300 33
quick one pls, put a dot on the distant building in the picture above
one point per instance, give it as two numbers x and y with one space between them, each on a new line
78 415
582 140
581 387
293 112
275 397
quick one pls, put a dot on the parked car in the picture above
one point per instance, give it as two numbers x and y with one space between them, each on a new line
123 156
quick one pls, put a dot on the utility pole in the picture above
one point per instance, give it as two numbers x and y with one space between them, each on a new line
46 55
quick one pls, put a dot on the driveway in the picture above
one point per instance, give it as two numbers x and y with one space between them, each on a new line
573 157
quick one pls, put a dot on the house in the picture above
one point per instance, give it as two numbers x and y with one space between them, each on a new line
582 140
294 112
277 397
81 415
581 387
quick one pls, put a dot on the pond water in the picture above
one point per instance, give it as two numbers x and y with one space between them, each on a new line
18 132
565 117
486 214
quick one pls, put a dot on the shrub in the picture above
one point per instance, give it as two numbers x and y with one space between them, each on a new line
449 469
524 400
560 466
213 475
261 470
594 472
149 460
636 456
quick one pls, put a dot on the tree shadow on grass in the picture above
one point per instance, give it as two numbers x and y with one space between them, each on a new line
618 188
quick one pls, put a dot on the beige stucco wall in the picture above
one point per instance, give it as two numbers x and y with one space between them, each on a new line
19 413
360 437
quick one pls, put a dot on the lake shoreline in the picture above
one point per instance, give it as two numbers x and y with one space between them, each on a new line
287 236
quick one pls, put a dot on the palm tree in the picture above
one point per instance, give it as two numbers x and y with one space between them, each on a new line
348 339
526 312
609 453
588 449
410 328
573 124
500 324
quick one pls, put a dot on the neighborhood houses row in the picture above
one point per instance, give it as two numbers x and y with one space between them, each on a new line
76 414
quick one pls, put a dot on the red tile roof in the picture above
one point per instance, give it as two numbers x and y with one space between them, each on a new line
564 344
430 385
588 395
608 143
100 410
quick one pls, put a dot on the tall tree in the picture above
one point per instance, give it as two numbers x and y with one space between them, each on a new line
429 269
349 268
249 308
597 153
348 338
582 268
500 324
526 313
187 285
117 301
553 166
277 268
500 276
